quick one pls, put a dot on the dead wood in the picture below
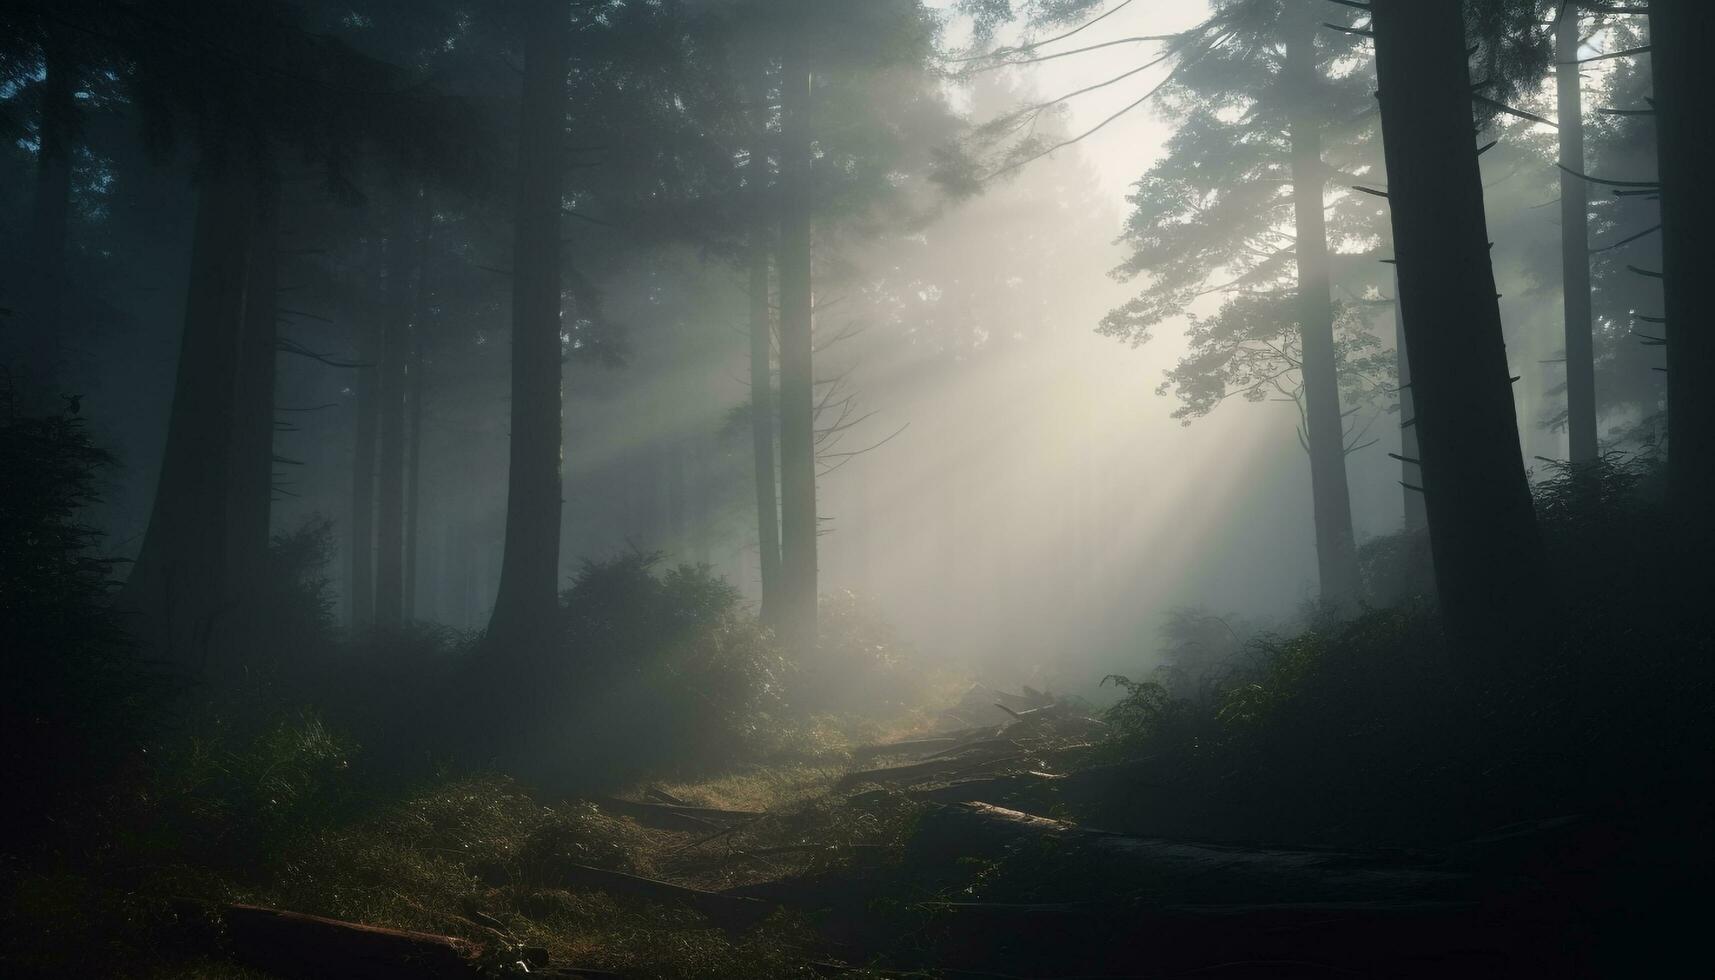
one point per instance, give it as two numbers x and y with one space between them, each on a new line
1187 872
728 911
672 816
297 945
917 772
909 746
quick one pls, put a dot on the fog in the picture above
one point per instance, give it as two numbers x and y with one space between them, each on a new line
1022 504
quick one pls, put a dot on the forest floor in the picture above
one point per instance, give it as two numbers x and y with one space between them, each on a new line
899 859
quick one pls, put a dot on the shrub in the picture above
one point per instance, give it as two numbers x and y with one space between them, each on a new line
658 672
860 664
75 699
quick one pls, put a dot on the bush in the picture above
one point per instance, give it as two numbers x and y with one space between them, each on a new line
658 672
75 699
860 665
1360 731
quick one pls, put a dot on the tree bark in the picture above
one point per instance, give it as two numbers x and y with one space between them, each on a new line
529 577
762 422
363 455
416 385
50 217
414 478
798 523
1324 427
179 585
1682 35
1482 526
1575 246
395 355
251 487
1410 473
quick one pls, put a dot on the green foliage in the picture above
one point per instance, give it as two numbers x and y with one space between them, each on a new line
660 672
1362 731
233 790
74 700
1149 715
860 665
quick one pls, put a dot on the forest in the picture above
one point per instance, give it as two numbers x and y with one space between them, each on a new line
856 488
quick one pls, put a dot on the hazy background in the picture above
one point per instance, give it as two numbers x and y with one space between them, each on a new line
1032 510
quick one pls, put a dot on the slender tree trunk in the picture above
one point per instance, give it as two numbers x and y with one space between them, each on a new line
1575 246
416 383
363 453
49 219
762 423
1482 526
395 356
414 480
1324 426
701 510
798 524
676 460
1410 473
1682 37
251 487
179 584
530 570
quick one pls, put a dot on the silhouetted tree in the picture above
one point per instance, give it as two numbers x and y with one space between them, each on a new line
1256 88
1682 35
1482 526
530 571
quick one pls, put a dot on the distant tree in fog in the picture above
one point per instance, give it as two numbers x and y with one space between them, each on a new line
1238 208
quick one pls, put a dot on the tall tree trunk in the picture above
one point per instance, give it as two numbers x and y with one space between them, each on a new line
1575 245
416 384
1410 473
530 570
762 423
49 217
1482 526
395 356
798 590
1682 37
676 459
363 451
179 585
1324 426
251 487
414 478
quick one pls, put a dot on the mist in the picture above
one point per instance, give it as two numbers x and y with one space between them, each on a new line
646 486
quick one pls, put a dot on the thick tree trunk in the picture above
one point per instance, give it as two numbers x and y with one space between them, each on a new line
49 218
179 585
1682 36
530 570
250 490
363 456
762 423
1575 246
798 589
1482 527
1324 427
390 484
1410 473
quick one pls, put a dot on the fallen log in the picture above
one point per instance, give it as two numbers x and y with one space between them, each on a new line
909 746
673 816
1191 873
727 911
296 945
916 773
